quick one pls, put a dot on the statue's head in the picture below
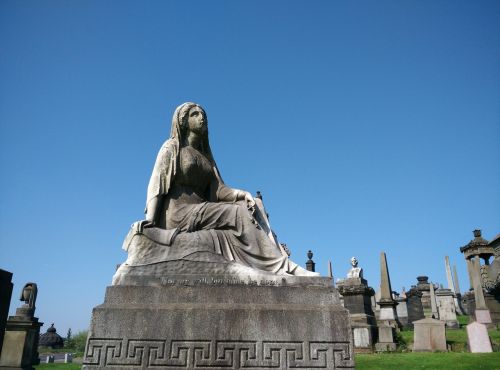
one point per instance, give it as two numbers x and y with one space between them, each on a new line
189 117
354 262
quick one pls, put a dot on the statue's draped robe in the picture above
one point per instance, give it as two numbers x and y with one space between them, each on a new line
188 188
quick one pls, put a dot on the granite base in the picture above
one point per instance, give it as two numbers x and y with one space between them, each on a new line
206 323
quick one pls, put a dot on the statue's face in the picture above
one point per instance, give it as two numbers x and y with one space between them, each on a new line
197 120
354 261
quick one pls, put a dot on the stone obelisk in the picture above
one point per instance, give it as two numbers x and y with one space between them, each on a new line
387 321
435 313
451 285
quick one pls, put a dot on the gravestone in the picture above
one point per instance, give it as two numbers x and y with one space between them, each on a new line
429 335
402 310
5 296
446 307
478 338
414 306
68 358
20 348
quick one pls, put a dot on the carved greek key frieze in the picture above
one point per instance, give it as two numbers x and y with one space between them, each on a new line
207 354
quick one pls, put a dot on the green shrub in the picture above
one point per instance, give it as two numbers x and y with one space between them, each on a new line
77 342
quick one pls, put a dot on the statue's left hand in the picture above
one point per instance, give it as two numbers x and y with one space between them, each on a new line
249 199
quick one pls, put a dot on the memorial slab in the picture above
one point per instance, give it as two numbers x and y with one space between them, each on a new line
478 338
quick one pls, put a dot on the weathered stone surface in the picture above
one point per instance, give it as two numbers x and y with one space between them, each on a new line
414 305
446 307
20 347
402 311
385 341
423 286
429 335
362 337
5 296
434 310
477 338
357 300
387 304
483 316
220 326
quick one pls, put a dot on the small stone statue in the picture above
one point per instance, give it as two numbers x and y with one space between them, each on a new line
355 271
28 296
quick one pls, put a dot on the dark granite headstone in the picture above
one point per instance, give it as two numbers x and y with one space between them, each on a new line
414 306
5 296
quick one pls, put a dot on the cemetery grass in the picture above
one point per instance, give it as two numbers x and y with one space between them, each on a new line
456 339
437 360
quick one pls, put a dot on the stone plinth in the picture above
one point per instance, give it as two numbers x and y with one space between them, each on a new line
20 347
5 295
446 307
221 322
429 335
477 338
357 300
385 341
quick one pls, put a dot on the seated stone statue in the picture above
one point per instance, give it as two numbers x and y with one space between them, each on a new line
195 221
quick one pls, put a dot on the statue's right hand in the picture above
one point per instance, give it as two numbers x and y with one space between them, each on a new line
141 225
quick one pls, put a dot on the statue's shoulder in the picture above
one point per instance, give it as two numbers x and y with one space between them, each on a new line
168 149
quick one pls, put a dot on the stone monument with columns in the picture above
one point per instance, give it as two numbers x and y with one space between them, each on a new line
206 283
476 250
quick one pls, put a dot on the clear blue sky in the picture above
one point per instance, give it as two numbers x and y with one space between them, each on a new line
367 125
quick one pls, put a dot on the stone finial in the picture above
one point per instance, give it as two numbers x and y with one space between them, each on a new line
310 265
477 233
258 195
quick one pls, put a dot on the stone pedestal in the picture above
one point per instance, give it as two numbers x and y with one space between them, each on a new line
20 348
357 300
446 307
483 316
221 322
429 335
477 338
385 341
